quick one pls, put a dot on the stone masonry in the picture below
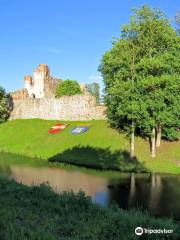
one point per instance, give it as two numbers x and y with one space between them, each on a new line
37 100
79 107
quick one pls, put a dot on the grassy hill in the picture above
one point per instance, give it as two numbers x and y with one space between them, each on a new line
100 147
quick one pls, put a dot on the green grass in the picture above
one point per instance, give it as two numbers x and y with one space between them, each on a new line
37 213
101 147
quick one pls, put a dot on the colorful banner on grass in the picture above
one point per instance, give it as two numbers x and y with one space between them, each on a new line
80 129
58 127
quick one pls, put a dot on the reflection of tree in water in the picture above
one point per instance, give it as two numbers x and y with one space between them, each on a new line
132 191
118 191
139 190
155 193
160 195
169 202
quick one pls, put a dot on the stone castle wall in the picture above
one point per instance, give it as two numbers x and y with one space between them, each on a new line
79 107
19 94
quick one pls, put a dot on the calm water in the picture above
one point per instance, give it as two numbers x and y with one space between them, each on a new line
160 194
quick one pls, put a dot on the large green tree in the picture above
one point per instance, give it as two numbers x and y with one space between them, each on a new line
118 68
159 66
4 109
137 71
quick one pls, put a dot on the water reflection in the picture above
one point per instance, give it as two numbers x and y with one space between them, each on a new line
155 192
132 191
60 179
160 194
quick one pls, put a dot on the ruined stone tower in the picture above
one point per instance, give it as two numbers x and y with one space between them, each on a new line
42 84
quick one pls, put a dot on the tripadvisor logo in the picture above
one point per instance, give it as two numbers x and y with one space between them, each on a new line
139 231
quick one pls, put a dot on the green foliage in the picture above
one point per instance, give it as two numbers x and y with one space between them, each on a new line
68 88
39 213
170 133
93 89
141 74
163 98
4 110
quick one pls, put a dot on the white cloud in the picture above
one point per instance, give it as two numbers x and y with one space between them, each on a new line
54 50
96 78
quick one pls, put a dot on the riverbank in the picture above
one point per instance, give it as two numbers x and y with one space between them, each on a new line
101 147
39 213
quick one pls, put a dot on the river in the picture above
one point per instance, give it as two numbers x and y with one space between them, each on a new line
157 193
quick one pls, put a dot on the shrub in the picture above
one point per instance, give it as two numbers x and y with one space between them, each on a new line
68 88
4 111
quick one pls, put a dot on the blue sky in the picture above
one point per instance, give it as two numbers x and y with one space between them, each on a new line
68 35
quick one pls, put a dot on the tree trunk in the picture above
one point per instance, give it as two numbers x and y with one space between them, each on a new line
132 190
132 141
158 138
153 143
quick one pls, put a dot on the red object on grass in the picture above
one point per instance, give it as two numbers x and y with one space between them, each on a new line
58 127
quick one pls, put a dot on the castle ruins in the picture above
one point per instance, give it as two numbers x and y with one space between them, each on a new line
37 100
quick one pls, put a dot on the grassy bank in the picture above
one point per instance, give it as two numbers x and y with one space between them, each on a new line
101 147
39 213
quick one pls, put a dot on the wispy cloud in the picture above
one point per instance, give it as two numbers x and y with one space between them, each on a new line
96 78
54 50
49 49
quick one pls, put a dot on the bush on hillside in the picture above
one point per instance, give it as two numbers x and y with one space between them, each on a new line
4 111
68 88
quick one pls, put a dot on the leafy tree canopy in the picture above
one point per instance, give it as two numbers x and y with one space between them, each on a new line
68 88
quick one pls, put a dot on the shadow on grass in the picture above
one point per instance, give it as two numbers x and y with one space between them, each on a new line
99 158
